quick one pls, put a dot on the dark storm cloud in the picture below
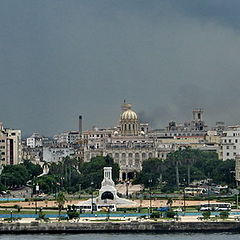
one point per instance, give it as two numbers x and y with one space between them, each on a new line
61 58
219 11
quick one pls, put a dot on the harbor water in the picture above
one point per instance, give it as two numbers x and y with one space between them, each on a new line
120 236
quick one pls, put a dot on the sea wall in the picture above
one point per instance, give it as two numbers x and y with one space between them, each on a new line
65 227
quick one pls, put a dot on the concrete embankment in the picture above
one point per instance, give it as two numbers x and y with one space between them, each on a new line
70 227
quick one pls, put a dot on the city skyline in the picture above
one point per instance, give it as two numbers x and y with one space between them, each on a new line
60 59
141 118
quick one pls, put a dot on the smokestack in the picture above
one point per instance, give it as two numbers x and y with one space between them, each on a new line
80 125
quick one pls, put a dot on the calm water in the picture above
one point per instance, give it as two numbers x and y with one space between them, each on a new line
177 236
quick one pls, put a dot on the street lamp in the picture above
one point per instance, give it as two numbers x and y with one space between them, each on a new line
61 182
1 169
140 204
80 187
108 213
184 196
150 195
35 206
37 188
11 216
92 198
36 191
208 195
237 200
184 200
127 185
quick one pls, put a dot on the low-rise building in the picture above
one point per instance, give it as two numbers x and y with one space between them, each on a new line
68 137
35 140
56 154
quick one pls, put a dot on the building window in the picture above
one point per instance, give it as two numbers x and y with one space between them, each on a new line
227 154
227 147
236 140
234 147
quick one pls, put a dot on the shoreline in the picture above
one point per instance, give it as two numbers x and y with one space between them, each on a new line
118 227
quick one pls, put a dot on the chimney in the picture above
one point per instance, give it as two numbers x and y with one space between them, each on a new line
80 125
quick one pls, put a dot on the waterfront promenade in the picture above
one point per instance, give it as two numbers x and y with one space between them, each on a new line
139 203
186 218
23 222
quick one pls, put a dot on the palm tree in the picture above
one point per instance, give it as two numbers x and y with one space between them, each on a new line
189 157
60 201
176 159
68 165
170 202
161 168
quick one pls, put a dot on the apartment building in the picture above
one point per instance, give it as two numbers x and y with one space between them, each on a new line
230 142
10 146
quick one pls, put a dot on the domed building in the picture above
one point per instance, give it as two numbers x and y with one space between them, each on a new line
129 125
128 143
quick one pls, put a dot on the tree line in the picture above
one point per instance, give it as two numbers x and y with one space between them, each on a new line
16 176
72 175
183 166
180 168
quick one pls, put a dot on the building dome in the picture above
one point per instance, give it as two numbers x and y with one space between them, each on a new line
129 125
129 115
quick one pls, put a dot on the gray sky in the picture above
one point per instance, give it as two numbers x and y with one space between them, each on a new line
62 58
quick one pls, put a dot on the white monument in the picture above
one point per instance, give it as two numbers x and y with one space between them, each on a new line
108 190
107 196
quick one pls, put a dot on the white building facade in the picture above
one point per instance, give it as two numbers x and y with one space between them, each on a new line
69 137
230 142
52 154
35 141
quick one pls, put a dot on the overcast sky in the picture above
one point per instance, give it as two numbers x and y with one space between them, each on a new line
62 58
